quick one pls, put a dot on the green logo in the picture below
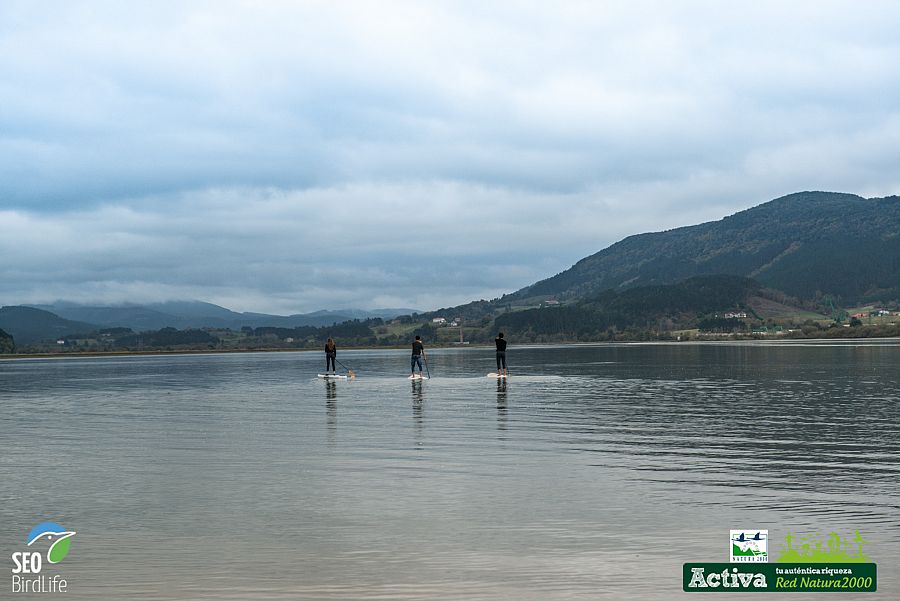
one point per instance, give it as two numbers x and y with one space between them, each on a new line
749 546
816 563
823 549
57 537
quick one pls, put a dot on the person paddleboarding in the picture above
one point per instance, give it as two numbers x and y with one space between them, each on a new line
418 352
500 341
330 356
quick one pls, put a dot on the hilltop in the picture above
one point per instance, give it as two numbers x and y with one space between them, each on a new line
27 325
808 245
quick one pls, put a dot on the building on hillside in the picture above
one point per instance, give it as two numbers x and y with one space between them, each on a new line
736 315
439 320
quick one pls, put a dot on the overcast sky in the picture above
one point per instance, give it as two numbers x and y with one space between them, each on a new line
292 156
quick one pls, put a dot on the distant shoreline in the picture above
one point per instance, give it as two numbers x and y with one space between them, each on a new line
76 354
97 354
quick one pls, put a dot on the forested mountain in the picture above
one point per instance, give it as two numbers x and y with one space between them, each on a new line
27 324
807 244
645 308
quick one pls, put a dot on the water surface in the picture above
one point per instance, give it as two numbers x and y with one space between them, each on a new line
594 473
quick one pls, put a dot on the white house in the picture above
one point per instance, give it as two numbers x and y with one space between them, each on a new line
439 320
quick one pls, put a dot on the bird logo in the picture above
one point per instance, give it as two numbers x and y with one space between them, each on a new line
59 538
749 545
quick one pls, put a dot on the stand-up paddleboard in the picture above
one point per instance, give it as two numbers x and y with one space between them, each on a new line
417 377
332 377
496 375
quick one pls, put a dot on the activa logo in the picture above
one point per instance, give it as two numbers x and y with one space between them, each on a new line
47 537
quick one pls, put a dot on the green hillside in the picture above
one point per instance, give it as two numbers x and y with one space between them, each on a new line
7 343
28 325
646 308
806 244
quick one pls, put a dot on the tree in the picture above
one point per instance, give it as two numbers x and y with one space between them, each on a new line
7 343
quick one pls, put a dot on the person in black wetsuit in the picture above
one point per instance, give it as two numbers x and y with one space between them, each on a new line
418 351
501 354
330 355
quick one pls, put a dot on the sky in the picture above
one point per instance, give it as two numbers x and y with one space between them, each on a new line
286 157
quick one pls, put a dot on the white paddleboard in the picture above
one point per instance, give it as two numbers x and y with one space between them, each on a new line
417 377
496 375
332 377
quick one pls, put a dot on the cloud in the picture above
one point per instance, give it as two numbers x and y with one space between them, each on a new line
291 156
424 244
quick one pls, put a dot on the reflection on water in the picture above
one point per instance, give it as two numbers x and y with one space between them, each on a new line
502 407
331 408
418 408
217 477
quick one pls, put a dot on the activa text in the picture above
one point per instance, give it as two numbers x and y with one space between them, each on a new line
726 579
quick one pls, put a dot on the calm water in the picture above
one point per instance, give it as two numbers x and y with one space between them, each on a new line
593 474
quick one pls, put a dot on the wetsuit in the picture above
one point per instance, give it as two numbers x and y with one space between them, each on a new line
501 352
330 356
417 349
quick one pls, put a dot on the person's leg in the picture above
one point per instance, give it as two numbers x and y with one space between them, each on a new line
412 365
498 362
419 362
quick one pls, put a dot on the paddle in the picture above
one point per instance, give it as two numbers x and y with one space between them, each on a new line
424 356
350 372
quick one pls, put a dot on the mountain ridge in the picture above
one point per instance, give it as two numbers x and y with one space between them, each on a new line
198 314
776 243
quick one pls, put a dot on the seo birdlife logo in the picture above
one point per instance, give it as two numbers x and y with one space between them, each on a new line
46 540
